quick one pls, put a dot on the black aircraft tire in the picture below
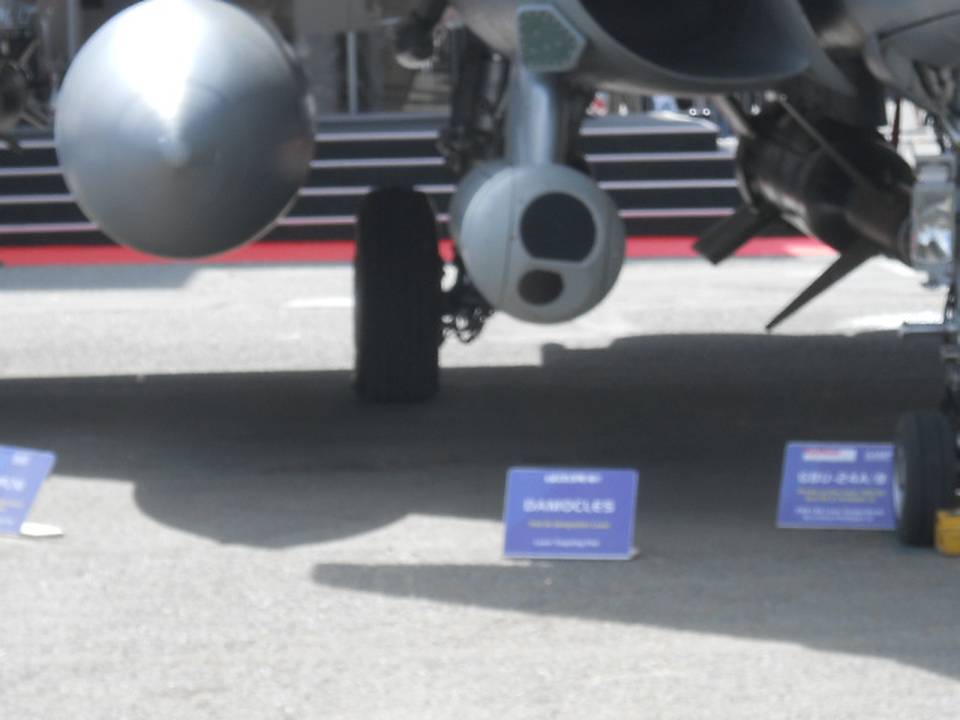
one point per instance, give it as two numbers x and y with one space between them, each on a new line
925 475
397 298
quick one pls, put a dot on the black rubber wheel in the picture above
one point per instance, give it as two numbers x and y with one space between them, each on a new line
398 298
925 474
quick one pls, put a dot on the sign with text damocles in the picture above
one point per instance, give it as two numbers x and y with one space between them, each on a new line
837 486
22 473
570 513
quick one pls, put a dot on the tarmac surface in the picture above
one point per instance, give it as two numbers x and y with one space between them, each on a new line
245 540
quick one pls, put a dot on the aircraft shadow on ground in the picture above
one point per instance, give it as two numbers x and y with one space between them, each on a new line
279 459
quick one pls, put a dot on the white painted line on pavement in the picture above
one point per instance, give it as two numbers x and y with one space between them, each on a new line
320 303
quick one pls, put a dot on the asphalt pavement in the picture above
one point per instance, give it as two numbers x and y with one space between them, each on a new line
245 540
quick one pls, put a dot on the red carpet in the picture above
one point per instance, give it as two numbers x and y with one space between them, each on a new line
341 251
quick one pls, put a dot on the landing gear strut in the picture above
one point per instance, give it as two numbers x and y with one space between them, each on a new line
925 475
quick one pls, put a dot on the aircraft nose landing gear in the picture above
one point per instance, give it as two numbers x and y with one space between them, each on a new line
925 474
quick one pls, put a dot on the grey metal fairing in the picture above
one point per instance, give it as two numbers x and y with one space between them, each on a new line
895 39
848 24
900 42
697 46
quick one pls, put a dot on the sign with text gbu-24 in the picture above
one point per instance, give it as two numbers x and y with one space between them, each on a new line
841 486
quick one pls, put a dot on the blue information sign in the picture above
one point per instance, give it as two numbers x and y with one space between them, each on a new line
22 472
838 486
570 513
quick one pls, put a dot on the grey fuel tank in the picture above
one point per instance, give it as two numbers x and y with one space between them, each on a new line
183 127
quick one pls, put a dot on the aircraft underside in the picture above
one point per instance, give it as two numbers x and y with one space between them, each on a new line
203 105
